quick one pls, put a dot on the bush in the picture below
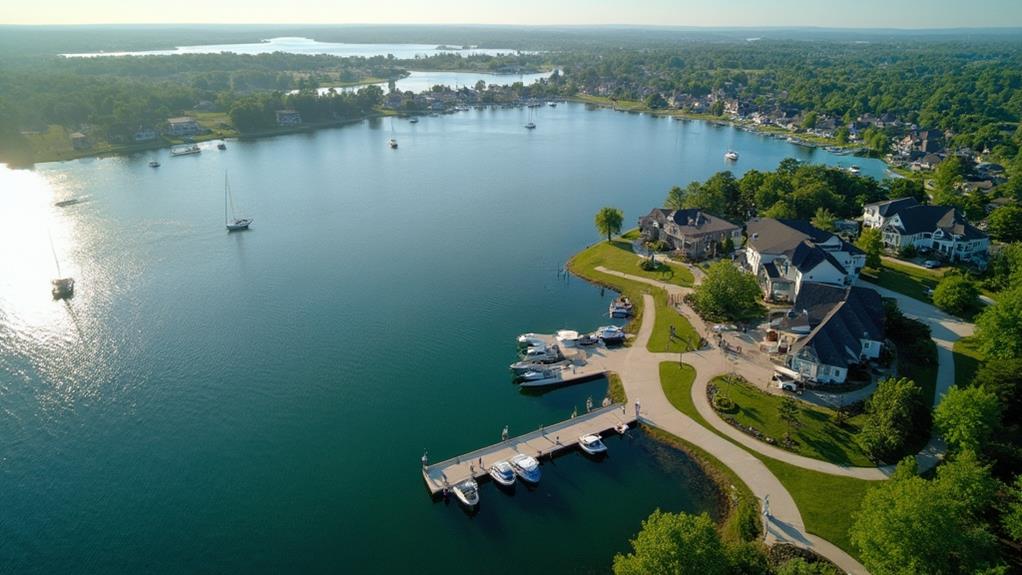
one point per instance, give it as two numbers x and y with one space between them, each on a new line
956 294
908 252
724 403
649 265
897 416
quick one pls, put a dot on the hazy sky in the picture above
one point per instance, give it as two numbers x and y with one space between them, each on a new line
826 13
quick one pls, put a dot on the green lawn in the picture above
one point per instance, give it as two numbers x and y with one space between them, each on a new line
826 502
968 359
924 375
619 257
816 436
907 280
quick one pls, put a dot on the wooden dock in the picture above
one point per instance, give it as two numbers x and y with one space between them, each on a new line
544 441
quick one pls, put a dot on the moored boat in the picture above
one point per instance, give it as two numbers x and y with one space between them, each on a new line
530 340
567 337
185 150
621 428
467 492
587 340
154 164
592 444
502 473
526 467
392 143
232 222
731 155
63 288
221 146
611 334
621 307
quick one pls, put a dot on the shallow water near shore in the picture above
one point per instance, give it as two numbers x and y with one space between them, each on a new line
259 401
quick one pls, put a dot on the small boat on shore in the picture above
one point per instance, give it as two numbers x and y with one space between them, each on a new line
185 150
502 473
592 444
621 307
526 467
467 492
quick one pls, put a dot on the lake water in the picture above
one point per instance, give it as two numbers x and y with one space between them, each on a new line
423 81
307 46
259 401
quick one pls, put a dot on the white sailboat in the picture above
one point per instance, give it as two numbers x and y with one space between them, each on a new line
531 125
233 223
62 288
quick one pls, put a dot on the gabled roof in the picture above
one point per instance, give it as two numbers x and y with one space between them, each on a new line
841 318
692 221
890 207
807 256
920 219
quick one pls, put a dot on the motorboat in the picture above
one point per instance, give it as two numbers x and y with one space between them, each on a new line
413 120
854 169
621 307
587 340
526 467
549 377
69 202
552 104
502 473
621 428
535 374
392 143
731 156
530 126
221 146
154 164
611 334
467 492
185 150
542 354
567 337
530 340
63 288
592 444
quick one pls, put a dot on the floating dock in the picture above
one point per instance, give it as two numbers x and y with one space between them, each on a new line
544 441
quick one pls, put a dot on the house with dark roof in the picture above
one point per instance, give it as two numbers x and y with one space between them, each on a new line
692 233
785 254
942 229
875 215
843 327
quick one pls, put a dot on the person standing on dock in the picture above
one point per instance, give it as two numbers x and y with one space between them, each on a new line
425 458
503 434
636 410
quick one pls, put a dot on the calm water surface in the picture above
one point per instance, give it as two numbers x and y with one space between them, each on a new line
423 81
258 402
305 46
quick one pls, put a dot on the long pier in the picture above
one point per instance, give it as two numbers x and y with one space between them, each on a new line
544 441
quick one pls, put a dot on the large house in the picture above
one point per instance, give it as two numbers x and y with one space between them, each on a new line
785 254
843 327
288 118
942 229
693 233
183 126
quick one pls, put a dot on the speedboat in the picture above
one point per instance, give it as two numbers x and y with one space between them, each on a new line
534 374
621 307
592 444
154 164
63 288
543 378
185 150
611 334
239 224
552 104
621 428
854 169
221 146
587 340
467 492
526 467
731 155
567 337
392 143
502 473
530 126
541 354
413 120
530 340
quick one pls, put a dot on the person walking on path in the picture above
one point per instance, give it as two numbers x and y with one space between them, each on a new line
636 410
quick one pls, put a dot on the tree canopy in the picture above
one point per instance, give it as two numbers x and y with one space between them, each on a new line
726 294
896 416
608 221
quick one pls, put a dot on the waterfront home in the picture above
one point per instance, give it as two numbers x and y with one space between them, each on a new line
693 233
875 215
785 254
834 329
288 118
145 134
80 141
903 223
183 126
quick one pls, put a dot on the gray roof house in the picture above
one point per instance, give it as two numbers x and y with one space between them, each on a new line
692 233
784 254
875 215
846 328
942 229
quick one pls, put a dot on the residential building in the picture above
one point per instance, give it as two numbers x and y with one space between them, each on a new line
785 254
183 126
844 327
875 215
145 134
941 229
80 141
693 233
288 118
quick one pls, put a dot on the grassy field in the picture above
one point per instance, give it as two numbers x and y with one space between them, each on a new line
908 280
816 434
826 502
618 257
968 359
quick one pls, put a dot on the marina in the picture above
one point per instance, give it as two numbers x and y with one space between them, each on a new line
544 442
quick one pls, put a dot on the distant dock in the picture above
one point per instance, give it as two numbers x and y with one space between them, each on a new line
544 441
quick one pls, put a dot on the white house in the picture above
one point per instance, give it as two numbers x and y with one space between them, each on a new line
875 215
785 254
846 328
183 126
941 229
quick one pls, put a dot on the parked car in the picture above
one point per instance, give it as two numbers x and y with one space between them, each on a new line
722 327
931 264
784 382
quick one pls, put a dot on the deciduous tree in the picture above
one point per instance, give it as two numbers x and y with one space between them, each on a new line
608 221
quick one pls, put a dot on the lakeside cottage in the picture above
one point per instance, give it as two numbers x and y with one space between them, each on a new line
183 126
943 229
834 329
785 254
288 118
692 233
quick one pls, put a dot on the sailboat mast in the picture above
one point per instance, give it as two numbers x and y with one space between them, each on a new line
226 188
